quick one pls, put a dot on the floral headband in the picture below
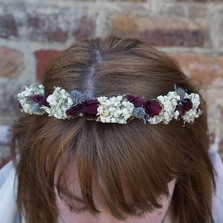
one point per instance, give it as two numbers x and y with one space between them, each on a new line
116 109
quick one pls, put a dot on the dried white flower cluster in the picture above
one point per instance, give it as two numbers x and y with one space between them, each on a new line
193 113
114 110
59 102
168 112
28 105
169 103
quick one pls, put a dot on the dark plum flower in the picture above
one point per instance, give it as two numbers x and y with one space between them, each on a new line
137 101
187 104
40 99
184 105
180 109
91 107
75 110
152 107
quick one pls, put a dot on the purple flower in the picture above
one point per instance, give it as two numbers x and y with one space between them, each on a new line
180 109
187 103
40 99
75 110
184 105
91 107
137 101
152 107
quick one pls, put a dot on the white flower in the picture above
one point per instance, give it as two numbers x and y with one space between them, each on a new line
28 105
169 103
155 120
59 102
193 113
115 109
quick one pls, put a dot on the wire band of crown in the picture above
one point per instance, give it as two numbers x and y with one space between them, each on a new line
115 109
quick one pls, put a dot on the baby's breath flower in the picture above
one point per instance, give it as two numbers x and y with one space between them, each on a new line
59 102
28 105
169 103
193 113
115 109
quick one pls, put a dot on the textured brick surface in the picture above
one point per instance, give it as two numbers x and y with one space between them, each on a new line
9 105
202 69
4 134
48 27
43 57
85 27
134 1
11 62
161 30
216 27
8 27
201 1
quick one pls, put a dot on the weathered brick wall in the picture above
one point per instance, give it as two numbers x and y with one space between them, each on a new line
34 31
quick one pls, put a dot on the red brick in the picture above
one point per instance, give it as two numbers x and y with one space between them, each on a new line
47 27
125 23
202 69
11 62
43 57
85 28
161 30
8 27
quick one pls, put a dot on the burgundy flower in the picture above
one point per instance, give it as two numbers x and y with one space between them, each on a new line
91 107
40 99
187 104
180 109
184 105
75 110
152 107
137 101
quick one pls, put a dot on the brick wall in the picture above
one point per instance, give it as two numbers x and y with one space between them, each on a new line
32 32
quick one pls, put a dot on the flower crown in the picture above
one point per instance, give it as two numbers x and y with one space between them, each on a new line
115 109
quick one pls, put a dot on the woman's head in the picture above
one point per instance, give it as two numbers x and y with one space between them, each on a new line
132 164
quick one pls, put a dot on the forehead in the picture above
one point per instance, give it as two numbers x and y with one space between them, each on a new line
155 217
73 187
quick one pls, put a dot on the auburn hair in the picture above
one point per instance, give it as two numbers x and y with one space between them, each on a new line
144 157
